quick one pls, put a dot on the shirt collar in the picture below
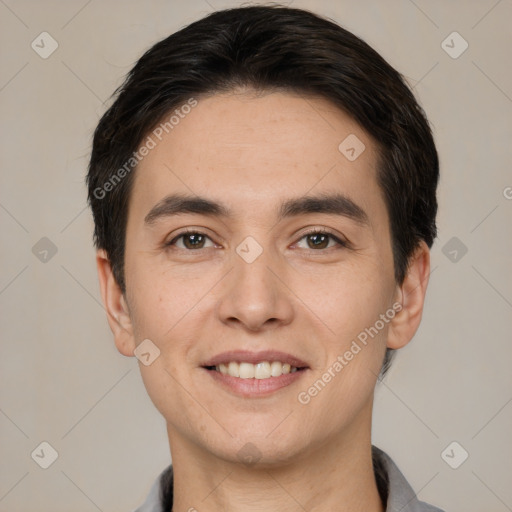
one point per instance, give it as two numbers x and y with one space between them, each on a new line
393 488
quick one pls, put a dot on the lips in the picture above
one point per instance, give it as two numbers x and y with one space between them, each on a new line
254 388
233 371
246 356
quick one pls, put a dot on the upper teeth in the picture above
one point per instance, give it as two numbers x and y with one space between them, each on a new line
262 370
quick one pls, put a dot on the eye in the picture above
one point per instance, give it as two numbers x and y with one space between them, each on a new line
320 237
192 240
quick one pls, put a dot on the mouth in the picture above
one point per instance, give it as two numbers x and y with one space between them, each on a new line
252 374
261 370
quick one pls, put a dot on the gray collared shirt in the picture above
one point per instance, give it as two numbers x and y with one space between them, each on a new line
390 480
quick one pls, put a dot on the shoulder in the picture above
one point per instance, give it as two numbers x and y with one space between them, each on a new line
158 493
400 495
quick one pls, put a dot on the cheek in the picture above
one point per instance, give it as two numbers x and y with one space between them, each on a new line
350 304
163 385
166 313
162 300
348 300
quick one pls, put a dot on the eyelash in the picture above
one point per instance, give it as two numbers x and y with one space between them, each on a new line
314 231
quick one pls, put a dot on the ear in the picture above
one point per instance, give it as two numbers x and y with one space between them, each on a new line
118 314
411 295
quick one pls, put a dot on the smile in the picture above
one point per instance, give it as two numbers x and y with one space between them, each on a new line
253 380
254 374
262 370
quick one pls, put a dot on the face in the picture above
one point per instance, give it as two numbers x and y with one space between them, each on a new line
261 277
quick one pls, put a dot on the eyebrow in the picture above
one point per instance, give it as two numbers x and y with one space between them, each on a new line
336 204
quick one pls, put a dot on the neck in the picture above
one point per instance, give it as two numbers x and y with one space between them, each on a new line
337 475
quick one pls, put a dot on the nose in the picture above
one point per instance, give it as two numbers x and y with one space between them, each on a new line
255 295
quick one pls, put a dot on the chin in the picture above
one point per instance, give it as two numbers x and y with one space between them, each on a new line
258 450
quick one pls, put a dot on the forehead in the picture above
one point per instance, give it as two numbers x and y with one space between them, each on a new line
253 151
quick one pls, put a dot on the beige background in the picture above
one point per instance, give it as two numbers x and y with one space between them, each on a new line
63 380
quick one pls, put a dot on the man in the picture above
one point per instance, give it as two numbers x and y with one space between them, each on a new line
264 197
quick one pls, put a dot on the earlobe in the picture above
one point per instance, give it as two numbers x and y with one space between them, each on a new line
412 298
118 314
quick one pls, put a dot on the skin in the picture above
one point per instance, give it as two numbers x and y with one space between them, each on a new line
251 152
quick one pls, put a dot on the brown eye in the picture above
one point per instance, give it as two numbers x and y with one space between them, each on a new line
192 240
319 239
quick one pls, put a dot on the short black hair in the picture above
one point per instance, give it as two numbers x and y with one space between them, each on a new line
269 48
